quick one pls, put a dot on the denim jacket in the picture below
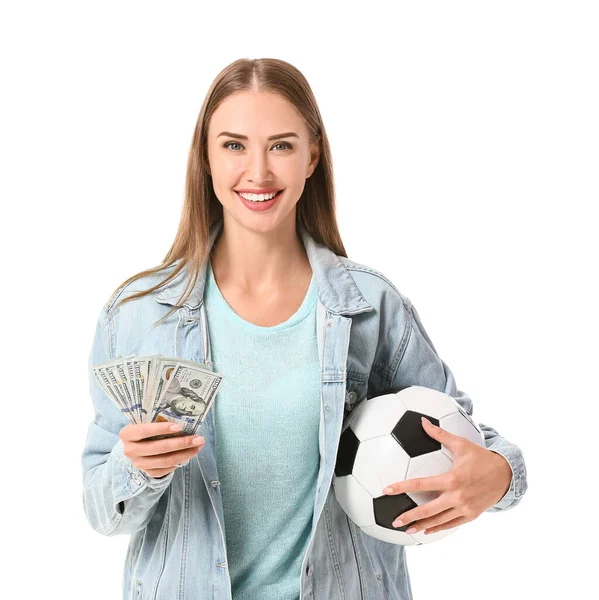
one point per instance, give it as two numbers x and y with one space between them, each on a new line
370 340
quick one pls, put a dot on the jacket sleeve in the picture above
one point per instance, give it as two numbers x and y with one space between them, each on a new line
416 362
117 497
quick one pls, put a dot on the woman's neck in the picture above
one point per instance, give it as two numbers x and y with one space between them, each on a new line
259 262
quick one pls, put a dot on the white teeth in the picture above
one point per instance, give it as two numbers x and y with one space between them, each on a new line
258 197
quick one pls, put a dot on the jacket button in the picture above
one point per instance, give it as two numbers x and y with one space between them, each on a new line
352 396
310 570
215 483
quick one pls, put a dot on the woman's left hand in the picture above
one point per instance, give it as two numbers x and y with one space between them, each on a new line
477 481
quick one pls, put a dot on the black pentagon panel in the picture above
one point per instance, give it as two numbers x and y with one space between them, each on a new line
388 508
410 434
346 453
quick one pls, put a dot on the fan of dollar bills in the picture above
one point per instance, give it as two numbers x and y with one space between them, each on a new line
157 388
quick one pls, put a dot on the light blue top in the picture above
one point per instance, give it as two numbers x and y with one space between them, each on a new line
267 418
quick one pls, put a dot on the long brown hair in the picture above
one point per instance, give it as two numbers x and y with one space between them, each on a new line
201 208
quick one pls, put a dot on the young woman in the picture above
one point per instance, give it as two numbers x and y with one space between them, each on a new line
258 286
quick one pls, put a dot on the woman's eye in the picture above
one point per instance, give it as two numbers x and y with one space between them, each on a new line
228 144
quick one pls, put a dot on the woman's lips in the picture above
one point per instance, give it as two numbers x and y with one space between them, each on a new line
260 206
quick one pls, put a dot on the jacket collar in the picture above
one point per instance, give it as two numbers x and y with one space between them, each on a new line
337 289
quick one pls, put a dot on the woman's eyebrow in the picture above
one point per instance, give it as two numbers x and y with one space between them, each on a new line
245 137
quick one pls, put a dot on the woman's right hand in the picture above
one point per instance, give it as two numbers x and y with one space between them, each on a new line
158 457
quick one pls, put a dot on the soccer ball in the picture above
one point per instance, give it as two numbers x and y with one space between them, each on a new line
383 442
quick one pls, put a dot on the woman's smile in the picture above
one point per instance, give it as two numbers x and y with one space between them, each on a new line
259 204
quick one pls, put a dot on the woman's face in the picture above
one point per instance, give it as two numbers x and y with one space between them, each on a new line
238 163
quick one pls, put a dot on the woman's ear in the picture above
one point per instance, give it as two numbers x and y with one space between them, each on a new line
314 157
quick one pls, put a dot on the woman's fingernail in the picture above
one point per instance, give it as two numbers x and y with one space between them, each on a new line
198 441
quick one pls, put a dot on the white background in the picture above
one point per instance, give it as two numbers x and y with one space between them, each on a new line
465 145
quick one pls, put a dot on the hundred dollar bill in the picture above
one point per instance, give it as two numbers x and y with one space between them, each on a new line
188 394
148 363
162 368
138 377
137 384
110 377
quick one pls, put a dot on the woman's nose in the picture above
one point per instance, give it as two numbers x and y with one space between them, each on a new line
258 167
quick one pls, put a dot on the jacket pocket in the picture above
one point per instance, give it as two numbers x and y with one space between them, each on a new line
139 590
352 535
380 580
153 556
